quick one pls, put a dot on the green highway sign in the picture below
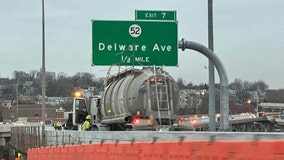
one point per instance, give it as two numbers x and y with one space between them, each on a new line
138 43
155 15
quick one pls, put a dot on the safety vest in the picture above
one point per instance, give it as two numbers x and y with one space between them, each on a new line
86 126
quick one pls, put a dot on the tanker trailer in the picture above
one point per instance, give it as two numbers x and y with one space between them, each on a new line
150 91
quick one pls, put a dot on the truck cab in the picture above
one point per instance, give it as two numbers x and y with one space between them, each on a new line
79 112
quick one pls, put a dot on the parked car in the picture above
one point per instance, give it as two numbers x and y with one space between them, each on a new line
7 121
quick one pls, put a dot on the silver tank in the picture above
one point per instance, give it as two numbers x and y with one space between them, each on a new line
149 90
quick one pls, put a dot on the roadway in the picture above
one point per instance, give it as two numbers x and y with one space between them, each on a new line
31 137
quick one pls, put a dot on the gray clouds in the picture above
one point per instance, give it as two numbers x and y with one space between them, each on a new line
248 36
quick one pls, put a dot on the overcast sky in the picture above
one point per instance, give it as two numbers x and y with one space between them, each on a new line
248 36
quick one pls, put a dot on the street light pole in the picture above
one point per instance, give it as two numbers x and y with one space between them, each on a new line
17 96
257 101
43 77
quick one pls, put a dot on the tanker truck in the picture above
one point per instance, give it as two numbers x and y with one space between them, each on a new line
134 99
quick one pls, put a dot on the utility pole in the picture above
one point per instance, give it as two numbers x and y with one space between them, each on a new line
212 108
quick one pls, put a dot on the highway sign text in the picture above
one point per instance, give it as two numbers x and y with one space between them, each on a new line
155 15
134 43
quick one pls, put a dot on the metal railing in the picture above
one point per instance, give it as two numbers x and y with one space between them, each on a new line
56 138
24 138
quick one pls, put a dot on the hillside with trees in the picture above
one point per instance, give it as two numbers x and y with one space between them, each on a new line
28 87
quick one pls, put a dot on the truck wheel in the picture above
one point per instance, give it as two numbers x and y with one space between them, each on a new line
94 128
128 129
